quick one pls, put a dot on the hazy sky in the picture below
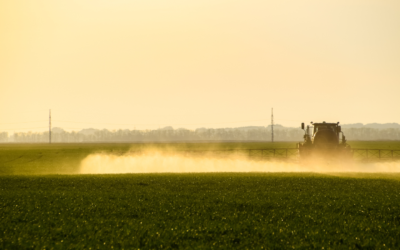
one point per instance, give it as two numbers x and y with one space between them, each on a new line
209 63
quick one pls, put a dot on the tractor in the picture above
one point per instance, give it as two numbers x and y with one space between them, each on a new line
324 141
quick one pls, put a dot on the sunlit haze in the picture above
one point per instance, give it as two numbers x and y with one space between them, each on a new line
150 64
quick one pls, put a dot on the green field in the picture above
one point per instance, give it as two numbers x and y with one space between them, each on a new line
66 158
43 205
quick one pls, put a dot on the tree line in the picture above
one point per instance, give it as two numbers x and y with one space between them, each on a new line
203 134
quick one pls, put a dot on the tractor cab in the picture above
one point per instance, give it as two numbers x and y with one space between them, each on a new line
324 136
334 127
323 133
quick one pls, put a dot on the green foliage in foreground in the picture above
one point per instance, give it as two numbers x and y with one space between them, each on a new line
203 211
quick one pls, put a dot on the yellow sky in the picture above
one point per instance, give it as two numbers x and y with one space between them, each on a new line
209 63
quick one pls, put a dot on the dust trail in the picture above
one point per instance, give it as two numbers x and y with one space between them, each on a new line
156 161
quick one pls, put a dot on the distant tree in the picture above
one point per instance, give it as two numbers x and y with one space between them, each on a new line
170 134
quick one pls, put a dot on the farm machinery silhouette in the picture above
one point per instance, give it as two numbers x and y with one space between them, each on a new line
324 141
321 140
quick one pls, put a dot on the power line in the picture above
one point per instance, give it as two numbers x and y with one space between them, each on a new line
49 126
24 112
9 129
158 123
141 124
139 115
24 122
127 124
272 124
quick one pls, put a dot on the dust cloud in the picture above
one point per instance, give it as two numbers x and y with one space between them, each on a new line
156 161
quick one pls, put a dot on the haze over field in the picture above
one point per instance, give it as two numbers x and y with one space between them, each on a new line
151 64
158 161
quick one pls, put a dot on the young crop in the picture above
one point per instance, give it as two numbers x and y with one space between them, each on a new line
153 211
41 207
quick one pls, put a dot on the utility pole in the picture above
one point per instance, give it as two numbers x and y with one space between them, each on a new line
49 126
272 124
